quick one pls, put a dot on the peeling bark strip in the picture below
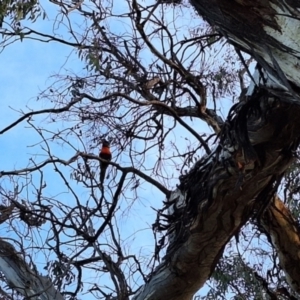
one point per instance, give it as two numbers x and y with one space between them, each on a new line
223 191
284 233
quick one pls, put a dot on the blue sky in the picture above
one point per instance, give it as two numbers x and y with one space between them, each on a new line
26 70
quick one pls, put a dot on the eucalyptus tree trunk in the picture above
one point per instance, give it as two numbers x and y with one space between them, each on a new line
235 181
238 179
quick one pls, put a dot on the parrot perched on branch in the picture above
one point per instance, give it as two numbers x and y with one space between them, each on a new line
106 155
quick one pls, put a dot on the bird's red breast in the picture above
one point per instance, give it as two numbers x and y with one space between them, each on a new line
105 153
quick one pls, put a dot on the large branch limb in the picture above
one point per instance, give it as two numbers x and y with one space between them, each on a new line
284 233
21 277
221 193
271 30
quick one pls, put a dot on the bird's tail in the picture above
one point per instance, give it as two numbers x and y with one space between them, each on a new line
102 173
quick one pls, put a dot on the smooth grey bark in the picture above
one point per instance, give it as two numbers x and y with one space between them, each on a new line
22 278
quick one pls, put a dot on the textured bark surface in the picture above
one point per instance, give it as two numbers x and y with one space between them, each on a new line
284 232
256 147
219 197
